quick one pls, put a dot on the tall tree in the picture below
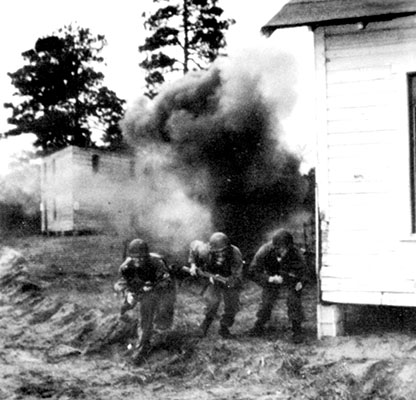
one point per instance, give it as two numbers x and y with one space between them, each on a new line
191 34
61 96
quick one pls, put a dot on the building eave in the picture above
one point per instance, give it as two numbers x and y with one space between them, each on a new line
314 13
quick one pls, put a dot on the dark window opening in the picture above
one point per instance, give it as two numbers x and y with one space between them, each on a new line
55 211
132 169
95 160
411 83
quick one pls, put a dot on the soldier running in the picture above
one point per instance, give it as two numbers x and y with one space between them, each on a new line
145 278
218 257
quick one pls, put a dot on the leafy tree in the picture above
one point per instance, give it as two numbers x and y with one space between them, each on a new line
61 92
191 34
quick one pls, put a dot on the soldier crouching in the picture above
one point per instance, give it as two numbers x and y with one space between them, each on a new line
279 263
223 261
145 279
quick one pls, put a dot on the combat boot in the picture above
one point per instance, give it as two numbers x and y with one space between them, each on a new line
225 332
141 353
203 328
297 333
256 331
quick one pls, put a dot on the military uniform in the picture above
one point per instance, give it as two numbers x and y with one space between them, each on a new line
267 263
148 282
230 266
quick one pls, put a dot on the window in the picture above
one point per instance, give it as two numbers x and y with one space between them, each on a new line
55 211
411 84
132 168
95 161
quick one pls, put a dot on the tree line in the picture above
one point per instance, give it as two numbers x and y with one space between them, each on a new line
60 93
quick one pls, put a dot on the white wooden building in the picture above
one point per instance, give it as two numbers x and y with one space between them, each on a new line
78 188
365 64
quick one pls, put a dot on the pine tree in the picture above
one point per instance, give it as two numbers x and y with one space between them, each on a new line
185 35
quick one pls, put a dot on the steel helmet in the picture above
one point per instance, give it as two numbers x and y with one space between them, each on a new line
137 248
218 241
282 238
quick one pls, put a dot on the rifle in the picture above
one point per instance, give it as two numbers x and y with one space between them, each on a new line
289 278
217 278
138 293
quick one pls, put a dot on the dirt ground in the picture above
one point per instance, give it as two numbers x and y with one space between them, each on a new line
61 338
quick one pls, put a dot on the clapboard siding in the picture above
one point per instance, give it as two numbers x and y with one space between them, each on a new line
360 123
354 88
348 169
364 148
377 298
360 151
361 74
368 285
364 137
400 23
368 113
388 51
378 37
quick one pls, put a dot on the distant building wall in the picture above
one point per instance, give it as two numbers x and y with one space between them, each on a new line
78 188
56 193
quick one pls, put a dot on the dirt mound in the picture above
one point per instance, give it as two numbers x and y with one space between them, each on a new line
51 321
14 274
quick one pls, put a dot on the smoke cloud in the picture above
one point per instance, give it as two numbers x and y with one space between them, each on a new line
218 140
19 199
153 204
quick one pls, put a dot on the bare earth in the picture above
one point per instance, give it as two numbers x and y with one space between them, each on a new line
61 338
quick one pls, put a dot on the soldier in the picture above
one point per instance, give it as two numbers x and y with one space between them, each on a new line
224 261
145 278
278 263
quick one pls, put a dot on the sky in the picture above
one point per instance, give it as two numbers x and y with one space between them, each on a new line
22 22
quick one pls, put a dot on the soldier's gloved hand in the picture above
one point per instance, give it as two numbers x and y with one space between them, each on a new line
192 270
298 286
147 288
276 279
130 298
125 265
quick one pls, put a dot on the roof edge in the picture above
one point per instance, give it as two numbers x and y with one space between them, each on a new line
267 30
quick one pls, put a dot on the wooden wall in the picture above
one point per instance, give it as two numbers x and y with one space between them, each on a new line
368 251
56 193
78 193
99 191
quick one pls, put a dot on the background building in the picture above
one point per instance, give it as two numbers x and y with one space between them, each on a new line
78 188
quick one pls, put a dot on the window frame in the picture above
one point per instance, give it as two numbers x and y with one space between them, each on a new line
95 163
411 87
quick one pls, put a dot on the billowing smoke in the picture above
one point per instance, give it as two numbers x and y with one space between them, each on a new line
153 204
19 199
221 129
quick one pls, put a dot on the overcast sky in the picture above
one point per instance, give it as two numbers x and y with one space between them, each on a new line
22 22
